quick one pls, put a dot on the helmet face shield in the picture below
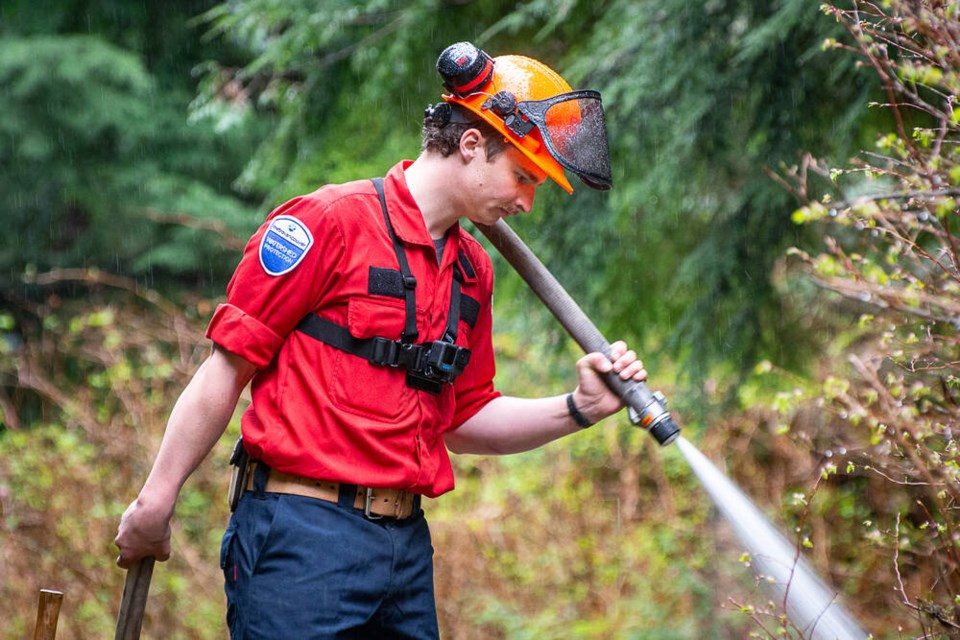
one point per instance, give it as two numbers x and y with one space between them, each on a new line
574 131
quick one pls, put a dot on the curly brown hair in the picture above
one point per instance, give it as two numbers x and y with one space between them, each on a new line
445 137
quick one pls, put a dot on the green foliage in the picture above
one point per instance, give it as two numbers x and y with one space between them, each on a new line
705 97
91 392
708 98
890 258
347 80
50 145
102 169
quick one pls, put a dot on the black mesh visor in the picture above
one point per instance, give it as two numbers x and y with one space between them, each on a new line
575 132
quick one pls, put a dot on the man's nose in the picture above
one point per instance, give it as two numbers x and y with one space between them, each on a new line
524 201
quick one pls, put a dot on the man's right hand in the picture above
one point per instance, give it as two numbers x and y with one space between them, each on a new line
144 531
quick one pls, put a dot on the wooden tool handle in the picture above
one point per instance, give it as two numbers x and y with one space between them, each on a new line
134 600
48 612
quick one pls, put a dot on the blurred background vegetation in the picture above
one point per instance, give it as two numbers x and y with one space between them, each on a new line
779 246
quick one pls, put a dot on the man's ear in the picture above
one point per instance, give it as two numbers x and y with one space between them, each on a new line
471 144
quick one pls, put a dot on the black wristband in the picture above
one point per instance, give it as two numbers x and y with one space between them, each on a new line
578 417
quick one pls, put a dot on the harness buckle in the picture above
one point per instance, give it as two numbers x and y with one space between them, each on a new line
367 504
385 352
410 356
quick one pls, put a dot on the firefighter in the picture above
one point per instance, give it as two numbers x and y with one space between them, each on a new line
360 314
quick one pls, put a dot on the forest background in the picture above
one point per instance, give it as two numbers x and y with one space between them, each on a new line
778 246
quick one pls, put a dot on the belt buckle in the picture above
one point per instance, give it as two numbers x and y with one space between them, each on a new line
367 504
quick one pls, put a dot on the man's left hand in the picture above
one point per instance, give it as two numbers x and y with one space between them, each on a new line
593 397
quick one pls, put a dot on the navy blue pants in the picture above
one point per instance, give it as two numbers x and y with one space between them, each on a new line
298 568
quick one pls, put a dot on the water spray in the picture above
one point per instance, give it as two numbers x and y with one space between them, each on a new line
810 605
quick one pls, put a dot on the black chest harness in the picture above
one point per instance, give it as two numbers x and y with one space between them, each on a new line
428 364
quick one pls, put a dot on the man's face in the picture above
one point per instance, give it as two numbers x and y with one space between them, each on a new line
503 187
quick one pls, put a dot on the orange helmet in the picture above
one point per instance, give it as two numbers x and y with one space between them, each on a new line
534 108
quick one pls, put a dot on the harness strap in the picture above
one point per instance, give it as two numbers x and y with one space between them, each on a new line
453 315
410 332
378 351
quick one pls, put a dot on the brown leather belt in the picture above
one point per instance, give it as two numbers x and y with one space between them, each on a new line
375 503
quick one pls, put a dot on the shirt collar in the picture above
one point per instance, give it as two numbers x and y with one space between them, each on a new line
407 219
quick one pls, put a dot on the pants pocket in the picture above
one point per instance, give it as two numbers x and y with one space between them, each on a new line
229 567
226 559
240 550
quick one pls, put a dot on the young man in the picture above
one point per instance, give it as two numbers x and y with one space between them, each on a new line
361 313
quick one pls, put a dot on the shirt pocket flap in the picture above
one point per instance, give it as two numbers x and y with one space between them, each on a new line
369 317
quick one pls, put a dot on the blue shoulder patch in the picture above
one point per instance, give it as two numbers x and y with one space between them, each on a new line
284 245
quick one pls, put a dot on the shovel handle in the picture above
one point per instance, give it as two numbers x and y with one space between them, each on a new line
134 599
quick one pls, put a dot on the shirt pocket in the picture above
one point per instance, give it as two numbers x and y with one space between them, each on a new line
370 317
368 390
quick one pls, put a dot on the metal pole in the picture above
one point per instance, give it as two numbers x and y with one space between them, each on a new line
134 600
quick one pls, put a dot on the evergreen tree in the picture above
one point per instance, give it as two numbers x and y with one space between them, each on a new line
101 166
